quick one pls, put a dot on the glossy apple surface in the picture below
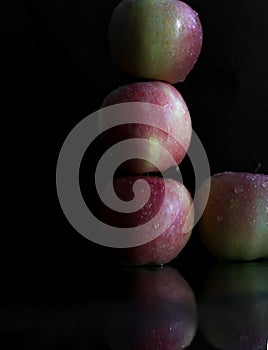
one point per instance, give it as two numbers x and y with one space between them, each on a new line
173 114
156 311
152 39
169 204
234 224
233 306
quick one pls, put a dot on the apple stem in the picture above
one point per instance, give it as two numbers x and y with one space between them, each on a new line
257 167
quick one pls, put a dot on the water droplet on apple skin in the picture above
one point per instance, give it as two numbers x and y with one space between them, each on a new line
238 189
219 218
264 184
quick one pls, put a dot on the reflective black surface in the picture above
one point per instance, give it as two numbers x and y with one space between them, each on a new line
145 308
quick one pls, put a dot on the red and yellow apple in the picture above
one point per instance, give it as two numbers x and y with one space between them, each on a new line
233 306
156 311
172 114
234 224
168 214
152 39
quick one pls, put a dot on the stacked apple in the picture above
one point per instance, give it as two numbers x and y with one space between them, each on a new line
157 42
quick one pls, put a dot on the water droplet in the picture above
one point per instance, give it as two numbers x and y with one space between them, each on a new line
264 184
219 218
232 203
156 226
238 189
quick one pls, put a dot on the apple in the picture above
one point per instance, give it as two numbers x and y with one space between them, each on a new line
156 311
173 114
167 215
233 306
234 224
152 39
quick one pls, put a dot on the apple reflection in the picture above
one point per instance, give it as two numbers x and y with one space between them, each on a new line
125 308
158 311
234 306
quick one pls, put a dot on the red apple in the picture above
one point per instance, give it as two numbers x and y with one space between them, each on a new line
157 311
152 39
233 306
167 215
234 224
172 114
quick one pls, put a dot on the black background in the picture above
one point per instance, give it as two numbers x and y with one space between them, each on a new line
56 69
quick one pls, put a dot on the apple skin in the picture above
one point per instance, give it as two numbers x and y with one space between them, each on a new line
233 306
157 40
156 311
234 225
174 114
178 210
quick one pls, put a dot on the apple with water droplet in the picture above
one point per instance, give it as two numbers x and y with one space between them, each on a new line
156 40
166 219
234 225
165 124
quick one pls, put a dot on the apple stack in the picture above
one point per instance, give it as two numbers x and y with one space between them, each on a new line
158 43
